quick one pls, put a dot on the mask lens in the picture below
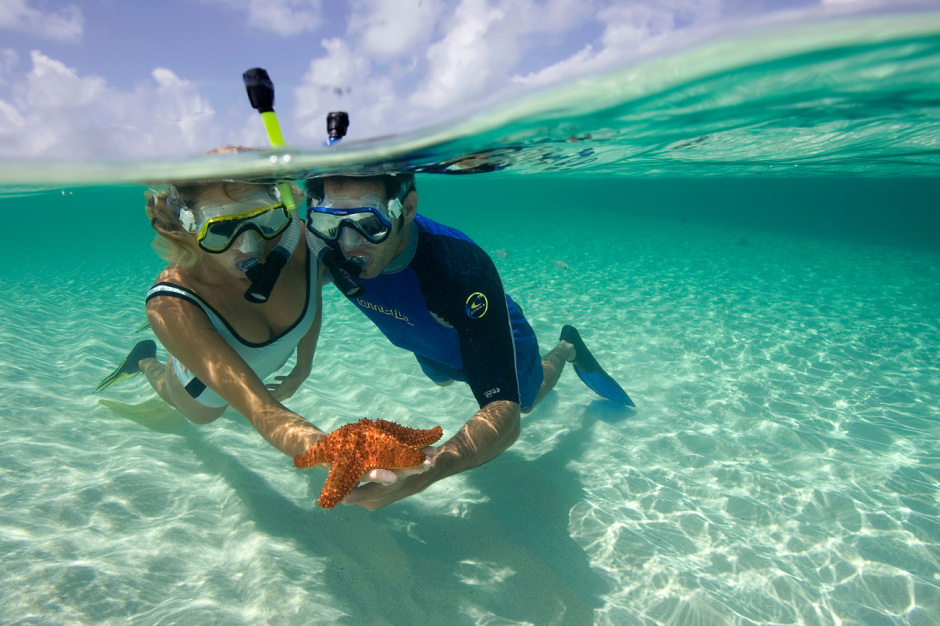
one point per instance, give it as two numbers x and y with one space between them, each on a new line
326 222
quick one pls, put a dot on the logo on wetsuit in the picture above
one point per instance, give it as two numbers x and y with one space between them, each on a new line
476 305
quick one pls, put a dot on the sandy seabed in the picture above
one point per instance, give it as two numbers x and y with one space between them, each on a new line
781 465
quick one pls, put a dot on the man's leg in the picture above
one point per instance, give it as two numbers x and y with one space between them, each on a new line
553 364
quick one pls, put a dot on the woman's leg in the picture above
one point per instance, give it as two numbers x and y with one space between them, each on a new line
164 381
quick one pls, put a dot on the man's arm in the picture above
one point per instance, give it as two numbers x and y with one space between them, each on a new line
488 434
460 284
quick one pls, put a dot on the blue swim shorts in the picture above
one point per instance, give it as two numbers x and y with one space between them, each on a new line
528 364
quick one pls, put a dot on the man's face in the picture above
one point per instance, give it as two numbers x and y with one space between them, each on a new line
376 256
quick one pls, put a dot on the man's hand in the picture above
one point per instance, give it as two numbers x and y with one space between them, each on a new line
387 486
493 429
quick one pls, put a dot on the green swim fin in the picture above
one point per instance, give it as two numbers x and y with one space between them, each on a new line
128 367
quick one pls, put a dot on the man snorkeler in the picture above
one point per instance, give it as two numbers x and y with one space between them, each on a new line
434 292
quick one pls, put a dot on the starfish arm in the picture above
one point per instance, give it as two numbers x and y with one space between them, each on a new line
414 437
392 454
340 481
325 450
315 455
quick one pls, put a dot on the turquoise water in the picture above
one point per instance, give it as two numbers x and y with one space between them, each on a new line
753 253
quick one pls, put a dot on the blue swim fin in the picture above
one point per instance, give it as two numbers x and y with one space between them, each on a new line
591 373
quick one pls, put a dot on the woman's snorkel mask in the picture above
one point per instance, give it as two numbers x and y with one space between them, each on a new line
345 272
240 223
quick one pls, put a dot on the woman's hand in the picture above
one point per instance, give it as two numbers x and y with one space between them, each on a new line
287 386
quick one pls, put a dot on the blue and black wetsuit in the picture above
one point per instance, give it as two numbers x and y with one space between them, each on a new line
442 299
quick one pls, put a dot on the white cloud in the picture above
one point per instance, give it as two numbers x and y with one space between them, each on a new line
63 25
8 60
630 30
182 116
57 113
390 29
53 86
485 41
466 57
343 80
285 17
575 65
281 17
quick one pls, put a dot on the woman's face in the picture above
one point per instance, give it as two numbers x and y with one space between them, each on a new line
247 245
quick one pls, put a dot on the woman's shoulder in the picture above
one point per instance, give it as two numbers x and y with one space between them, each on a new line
172 275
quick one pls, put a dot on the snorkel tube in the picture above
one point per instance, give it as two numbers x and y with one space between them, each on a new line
263 276
345 272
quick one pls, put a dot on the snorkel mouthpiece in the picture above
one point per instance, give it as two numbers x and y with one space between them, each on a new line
263 276
345 272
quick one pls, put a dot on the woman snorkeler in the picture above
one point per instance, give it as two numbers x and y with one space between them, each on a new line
222 343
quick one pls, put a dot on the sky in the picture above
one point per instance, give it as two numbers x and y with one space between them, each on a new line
125 78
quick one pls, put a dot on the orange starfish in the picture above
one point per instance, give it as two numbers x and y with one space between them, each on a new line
354 449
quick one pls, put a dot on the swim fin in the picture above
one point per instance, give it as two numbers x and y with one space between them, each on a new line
590 372
128 367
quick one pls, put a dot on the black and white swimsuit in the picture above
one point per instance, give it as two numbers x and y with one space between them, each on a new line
263 358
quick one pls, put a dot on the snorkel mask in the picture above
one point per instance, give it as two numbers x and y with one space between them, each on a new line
368 215
217 227
363 219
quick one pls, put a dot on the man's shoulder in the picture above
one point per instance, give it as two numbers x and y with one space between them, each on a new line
438 240
447 256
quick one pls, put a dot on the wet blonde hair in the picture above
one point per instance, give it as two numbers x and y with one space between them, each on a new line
173 243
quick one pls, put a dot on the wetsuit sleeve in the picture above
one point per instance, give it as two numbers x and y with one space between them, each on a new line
462 287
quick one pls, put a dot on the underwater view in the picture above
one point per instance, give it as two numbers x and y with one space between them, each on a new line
746 233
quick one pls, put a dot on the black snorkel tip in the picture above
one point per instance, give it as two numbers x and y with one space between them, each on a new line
260 89
337 123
